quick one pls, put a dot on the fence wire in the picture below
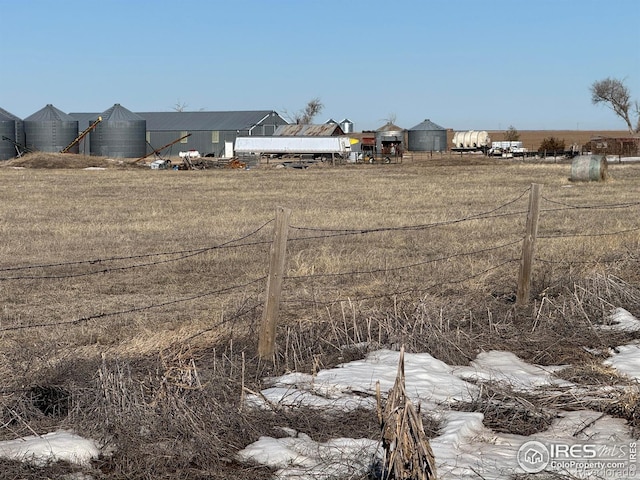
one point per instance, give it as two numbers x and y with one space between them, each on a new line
315 234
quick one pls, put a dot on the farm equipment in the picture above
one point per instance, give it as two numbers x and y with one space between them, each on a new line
20 149
156 151
83 134
236 164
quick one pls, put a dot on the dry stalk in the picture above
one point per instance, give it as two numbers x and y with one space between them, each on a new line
407 452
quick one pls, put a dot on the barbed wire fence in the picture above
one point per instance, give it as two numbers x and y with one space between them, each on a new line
277 280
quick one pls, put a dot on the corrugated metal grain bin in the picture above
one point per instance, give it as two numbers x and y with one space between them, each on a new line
19 133
427 137
346 125
7 137
389 137
50 130
121 134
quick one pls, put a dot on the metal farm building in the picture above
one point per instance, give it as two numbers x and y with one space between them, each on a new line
210 133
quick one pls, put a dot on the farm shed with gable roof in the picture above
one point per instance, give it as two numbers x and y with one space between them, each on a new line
211 132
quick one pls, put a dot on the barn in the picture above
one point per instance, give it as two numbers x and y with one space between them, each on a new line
210 133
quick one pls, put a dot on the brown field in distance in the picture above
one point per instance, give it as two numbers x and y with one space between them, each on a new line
531 139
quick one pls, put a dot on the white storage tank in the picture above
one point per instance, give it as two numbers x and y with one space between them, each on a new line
471 140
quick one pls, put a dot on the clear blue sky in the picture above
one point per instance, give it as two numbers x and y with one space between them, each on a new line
464 64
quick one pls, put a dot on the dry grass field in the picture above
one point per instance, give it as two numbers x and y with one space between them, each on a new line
132 299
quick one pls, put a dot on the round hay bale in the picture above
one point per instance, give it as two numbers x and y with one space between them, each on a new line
589 168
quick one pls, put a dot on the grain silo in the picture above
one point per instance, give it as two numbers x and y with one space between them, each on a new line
50 130
346 125
19 132
7 137
121 134
390 139
427 137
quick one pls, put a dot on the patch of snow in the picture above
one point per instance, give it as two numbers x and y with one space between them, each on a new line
43 449
626 359
300 457
465 449
428 381
622 320
506 368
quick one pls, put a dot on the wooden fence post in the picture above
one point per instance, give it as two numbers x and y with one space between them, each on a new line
528 244
277 256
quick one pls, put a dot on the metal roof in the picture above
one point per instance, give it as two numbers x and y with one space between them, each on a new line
85 119
194 121
390 127
118 113
9 114
49 113
428 125
324 130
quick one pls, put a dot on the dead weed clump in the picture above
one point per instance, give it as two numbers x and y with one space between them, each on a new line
46 160
506 411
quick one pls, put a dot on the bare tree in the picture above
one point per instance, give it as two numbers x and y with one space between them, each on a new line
512 135
391 118
313 108
180 106
615 94
306 115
